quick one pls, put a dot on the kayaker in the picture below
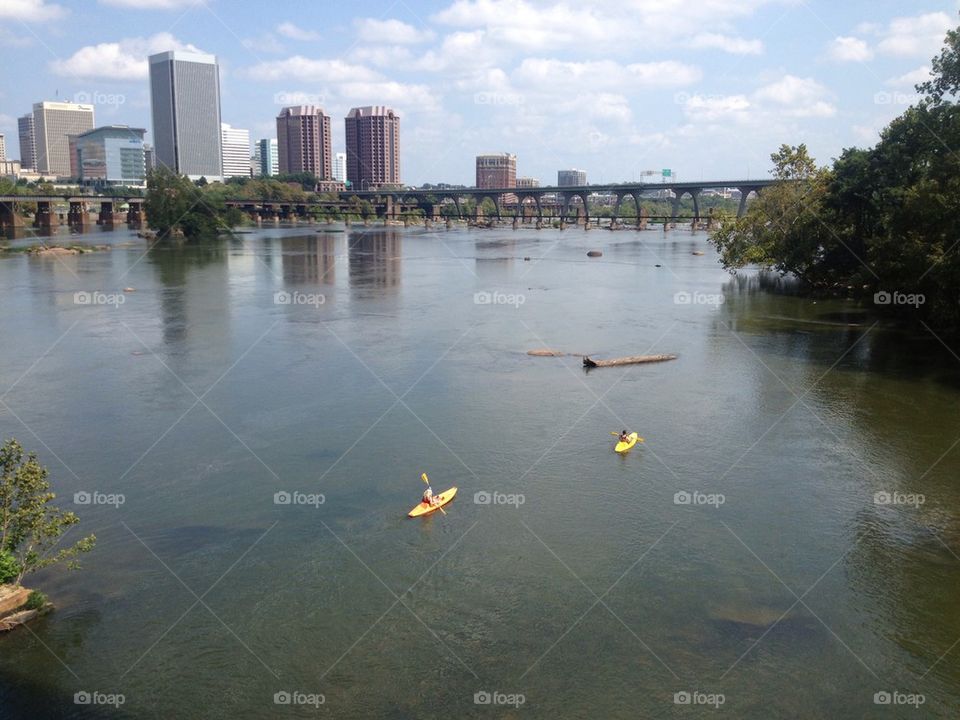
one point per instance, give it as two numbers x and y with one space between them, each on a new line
428 496
624 437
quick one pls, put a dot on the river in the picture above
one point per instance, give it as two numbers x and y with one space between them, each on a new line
245 431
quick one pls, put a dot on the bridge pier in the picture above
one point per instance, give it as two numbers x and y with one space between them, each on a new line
135 214
8 216
77 214
107 216
744 193
45 217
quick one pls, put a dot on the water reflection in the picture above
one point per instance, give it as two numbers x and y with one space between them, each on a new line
374 259
310 258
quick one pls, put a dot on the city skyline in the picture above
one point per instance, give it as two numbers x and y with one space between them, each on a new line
477 75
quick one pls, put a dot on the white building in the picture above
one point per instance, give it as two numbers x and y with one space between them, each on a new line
236 151
53 123
340 167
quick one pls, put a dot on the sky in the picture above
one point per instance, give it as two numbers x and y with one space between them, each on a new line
619 88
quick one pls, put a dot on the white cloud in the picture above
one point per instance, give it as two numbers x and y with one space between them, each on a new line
307 69
606 73
30 10
267 43
152 4
295 32
391 31
797 97
733 45
123 60
712 108
920 36
850 49
914 77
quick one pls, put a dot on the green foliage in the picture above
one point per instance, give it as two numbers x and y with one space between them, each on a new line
30 527
884 218
9 567
174 205
35 600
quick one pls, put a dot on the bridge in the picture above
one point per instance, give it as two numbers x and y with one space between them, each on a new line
548 201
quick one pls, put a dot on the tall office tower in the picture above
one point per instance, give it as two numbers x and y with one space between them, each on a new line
185 104
303 141
3 147
28 143
373 147
235 146
53 122
340 167
496 171
268 155
571 178
148 157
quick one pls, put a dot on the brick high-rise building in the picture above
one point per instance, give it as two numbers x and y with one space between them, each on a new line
496 171
303 141
373 147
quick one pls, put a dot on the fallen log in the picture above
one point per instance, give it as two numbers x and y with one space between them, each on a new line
553 353
630 360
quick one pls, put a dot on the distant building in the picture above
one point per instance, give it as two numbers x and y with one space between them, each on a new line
109 155
185 105
53 123
373 147
235 150
496 171
340 167
28 142
268 159
527 182
149 159
571 178
10 169
3 147
304 144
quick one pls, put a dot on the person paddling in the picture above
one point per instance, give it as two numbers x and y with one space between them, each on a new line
428 496
624 437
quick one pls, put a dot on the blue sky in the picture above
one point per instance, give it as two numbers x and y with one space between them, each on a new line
617 87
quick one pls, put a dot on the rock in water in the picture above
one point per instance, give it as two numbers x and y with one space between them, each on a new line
595 253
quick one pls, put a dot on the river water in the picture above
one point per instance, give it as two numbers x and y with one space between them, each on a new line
745 556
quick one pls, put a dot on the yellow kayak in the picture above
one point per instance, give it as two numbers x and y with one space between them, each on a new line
423 508
630 442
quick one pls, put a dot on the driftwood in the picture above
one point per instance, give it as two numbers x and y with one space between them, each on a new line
552 353
631 360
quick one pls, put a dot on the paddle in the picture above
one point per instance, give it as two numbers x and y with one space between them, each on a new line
424 477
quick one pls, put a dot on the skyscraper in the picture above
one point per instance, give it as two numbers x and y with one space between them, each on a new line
373 147
571 178
303 141
3 147
340 167
497 170
53 122
28 143
185 104
235 145
267 155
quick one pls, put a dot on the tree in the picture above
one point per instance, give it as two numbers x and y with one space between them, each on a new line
30 527
945 71
175 205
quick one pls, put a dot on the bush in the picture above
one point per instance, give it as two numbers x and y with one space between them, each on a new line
35 601
9 568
